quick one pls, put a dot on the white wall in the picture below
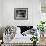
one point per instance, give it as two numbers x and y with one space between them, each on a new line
1 12
33 12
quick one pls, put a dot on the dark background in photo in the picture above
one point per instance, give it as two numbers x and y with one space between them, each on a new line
21 13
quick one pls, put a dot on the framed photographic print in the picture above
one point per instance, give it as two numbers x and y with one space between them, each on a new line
21 13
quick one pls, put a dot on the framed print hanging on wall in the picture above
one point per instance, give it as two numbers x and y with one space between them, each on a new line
21 13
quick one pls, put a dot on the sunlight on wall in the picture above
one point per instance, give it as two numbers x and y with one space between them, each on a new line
43 16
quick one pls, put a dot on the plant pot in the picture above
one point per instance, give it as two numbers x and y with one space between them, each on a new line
42 34
34 43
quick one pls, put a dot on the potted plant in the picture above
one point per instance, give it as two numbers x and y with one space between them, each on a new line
34 39
41 27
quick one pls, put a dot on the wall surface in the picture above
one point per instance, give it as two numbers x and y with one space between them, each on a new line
8 12
1 12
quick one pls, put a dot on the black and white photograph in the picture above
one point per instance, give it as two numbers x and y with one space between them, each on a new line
21 13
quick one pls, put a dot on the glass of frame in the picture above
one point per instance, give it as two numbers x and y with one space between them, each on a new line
21 13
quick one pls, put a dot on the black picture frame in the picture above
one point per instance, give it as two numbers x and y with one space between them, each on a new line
21 13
